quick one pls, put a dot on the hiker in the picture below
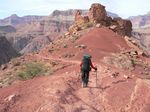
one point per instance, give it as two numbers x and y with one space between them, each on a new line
86 65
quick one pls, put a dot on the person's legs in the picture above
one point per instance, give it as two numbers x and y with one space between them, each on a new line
86 78
83 78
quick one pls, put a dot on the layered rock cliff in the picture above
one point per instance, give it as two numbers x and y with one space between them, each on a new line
141 30
141 21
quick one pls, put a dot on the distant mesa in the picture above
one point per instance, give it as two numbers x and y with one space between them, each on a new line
15 20
14 16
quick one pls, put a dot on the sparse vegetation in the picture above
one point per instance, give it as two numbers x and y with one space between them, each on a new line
31 70
87 25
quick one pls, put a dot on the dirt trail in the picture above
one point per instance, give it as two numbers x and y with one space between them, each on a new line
62 60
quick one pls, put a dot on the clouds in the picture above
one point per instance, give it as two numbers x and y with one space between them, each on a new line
124 8
58 1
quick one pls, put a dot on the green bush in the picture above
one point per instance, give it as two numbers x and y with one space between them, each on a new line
31 70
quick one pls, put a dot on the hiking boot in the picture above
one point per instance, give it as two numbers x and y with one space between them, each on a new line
86 85
83 85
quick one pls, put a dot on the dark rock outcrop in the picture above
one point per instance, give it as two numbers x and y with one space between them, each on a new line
6 51
123 27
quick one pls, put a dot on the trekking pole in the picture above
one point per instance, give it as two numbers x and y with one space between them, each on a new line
96 78
79 75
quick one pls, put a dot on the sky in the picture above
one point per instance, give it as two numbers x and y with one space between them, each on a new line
124 8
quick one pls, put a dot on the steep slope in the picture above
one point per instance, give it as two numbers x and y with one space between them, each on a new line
6 51
99 42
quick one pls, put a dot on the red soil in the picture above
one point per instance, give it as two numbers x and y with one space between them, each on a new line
100 42
62 92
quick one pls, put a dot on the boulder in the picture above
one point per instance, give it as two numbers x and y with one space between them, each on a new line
113 27
98 25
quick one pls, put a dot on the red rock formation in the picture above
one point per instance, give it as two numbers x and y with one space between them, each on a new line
78 15
97 13
79 19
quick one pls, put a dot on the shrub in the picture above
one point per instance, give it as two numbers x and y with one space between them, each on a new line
87 25
31 70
